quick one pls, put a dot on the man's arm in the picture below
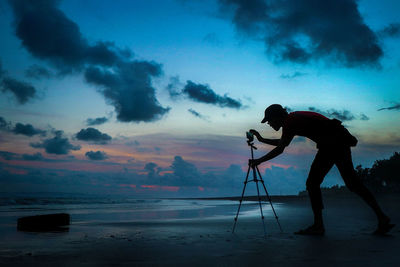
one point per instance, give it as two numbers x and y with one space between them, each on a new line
272 154
272 142
282 144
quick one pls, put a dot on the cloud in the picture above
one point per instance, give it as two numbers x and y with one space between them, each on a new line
293 75
172 87
47 33
364 117
19 128
197 114
27 129
396 106
186 173
98 155
301 31
96 121
22 91
288 109
57 145
8 155
4 125
38 72
204 94
13 156
93 135
151 169
201 93
392 30
128 88
25 157
34 157
343 115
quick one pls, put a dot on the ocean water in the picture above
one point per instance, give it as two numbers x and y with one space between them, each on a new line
94 219
85 210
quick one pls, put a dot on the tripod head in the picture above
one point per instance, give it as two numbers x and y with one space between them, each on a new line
250 140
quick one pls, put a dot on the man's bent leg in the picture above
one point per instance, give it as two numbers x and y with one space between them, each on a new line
319 168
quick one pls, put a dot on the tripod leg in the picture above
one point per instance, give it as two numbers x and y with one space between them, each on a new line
259 200
269 199
241 199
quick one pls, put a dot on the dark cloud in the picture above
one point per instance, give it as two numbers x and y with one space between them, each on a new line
96 121
396 106
93 135
180 173
151 169
343 115
21 90
204 94
57 145
197 114
4 125
27 129
292 51
34 157
303 30
13 156
293 75
392 30
47 33
8 155
128 88
98 155
38 72
184 170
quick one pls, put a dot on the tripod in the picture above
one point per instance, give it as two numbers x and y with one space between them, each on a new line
254 169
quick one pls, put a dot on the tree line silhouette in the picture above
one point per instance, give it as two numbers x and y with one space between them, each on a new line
382 177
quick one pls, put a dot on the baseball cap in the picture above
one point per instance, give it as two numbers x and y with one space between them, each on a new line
272 111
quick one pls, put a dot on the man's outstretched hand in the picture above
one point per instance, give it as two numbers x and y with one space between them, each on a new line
257 134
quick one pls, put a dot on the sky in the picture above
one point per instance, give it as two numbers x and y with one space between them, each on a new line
153 98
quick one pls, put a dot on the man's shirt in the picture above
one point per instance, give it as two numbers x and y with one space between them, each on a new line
309 124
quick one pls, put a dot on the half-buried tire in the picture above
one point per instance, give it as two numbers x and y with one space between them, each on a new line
44 223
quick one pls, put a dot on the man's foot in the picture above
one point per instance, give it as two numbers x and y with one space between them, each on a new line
312 230
384 226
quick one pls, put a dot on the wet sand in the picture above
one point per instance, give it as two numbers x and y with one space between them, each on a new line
209 242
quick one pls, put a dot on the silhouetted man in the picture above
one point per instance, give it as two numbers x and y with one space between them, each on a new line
333 143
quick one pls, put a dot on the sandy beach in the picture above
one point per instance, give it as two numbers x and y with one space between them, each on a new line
198 240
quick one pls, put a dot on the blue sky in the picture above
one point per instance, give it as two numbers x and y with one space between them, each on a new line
176 84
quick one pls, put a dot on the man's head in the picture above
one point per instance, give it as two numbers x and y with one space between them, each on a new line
275 115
